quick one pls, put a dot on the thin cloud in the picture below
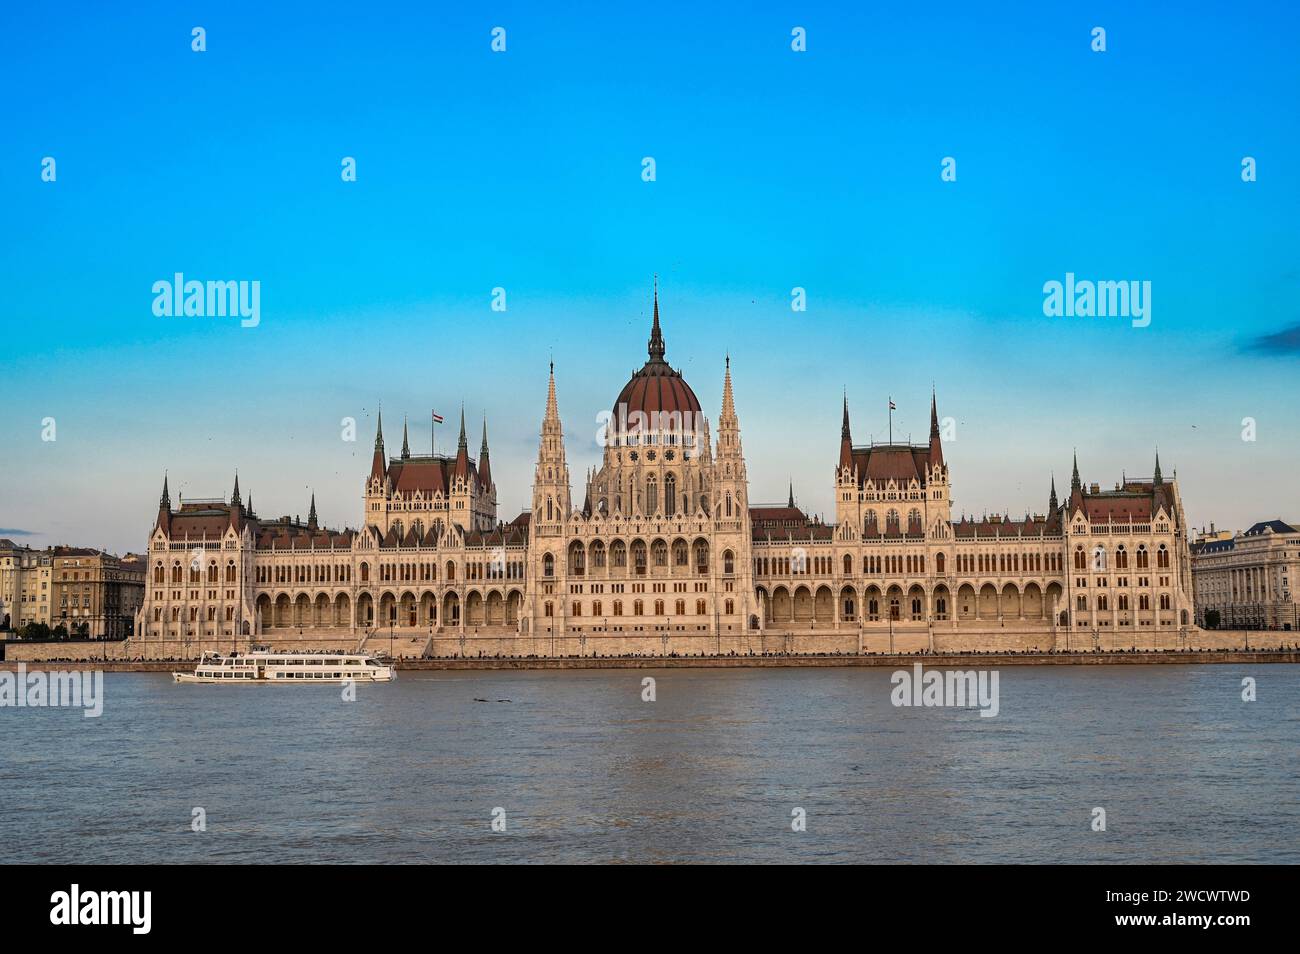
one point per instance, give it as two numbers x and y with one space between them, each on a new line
1284 342
14 532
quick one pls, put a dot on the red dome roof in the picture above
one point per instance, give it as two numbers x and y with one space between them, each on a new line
656 388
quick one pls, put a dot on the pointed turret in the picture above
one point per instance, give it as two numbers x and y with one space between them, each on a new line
378 463
311 514
936 445
846 438
551 495
1159 478
234 495
164 508
462 449
1052 505
1076 485
656 345
484 466
406 443
790 502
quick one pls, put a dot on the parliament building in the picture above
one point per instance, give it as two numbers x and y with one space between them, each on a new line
662 552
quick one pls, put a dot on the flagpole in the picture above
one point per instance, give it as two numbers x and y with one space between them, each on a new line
433 435
891 421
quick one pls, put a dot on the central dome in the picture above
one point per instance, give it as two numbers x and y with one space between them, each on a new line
657 389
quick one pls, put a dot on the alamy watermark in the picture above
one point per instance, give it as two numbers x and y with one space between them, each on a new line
59 689
949 687
1101 299
213 299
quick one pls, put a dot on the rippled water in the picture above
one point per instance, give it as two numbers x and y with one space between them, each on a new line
587 771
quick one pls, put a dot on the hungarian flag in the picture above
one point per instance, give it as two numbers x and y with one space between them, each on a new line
893 406
437 418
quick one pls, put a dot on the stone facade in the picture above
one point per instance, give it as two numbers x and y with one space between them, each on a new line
84 590
1247 578
667 554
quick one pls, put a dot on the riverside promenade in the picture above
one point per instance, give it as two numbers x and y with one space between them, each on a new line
894 660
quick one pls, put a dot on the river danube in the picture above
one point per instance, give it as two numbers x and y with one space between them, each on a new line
716 768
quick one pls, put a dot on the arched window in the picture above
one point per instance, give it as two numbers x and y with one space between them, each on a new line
618 554
728 562
548 567
728 503
680 553
670 495
1080 558
848 565
659 549
1121 558
1099 558
939 562
1162 558
651 494
1143 557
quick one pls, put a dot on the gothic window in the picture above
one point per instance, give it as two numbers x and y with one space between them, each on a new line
548 567
848 565
728 503
670 495
679 553
660 552
728 562
638 557
1121 559
1080 558
651 494
939 562
598 554
618 553
1099 558
701 556
1162 560
1143 557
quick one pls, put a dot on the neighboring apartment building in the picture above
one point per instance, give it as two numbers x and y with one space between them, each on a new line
1248 577
26 585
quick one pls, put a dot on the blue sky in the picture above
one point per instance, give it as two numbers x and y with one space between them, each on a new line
775 169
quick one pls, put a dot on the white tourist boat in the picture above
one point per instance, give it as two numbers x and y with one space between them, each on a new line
262 666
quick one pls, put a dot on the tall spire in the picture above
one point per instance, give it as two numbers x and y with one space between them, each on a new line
728 399
234 497
1075 484
656 333
379 463
846 437
311 514
552 407
165 501
1159 479
790 502
936 445
1052 505
406 444
484 467
462 449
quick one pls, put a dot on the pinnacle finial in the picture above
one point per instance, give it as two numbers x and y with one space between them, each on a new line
406 444
656 347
